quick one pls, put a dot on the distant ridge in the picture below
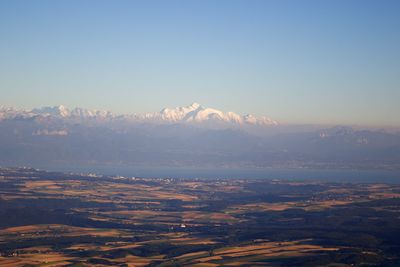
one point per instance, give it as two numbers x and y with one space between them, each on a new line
194 113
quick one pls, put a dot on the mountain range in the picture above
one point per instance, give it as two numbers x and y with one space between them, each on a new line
191 136
193 114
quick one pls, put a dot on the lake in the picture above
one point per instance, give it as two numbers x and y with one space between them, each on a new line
327 175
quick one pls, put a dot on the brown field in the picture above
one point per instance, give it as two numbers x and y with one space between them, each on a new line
49 259
262 250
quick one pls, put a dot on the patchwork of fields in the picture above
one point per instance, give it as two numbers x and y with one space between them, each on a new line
57 219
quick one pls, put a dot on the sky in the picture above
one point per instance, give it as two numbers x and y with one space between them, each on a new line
330 62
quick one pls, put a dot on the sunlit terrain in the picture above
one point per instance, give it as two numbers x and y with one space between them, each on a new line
56 219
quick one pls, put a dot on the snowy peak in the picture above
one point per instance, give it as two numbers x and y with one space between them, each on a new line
55 112
195 105
61 111
196 113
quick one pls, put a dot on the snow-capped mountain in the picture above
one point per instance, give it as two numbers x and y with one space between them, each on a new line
194 114
54 112
77 113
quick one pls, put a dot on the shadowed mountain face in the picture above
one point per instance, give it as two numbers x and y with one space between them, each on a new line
191 136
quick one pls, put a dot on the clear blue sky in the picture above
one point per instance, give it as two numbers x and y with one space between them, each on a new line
295 61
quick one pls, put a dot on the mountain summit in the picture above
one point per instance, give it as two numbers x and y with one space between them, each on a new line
196 113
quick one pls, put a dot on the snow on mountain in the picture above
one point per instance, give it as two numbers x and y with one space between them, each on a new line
9 113
95 114
61 111
194 113
57 112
